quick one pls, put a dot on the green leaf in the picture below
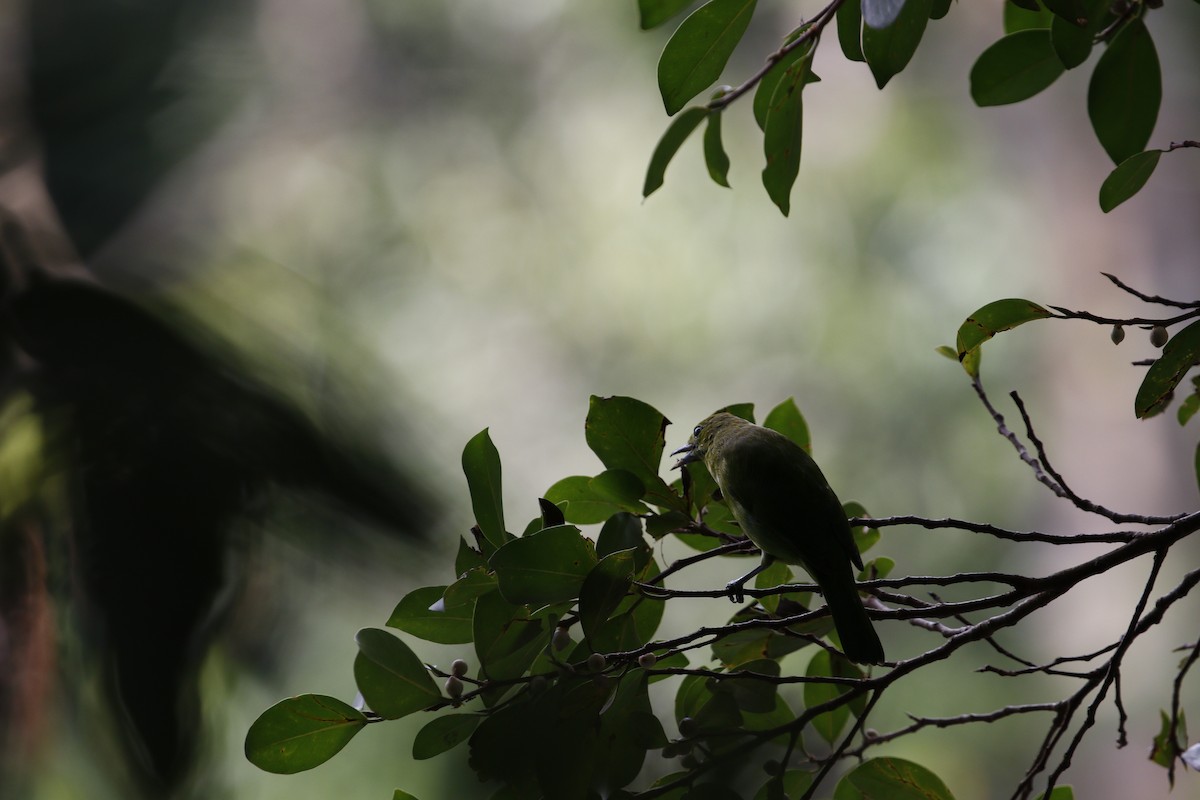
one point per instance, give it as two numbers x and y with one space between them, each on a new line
777 574
507 640
787 419
633 622
881 13
893 778
849 29
628 434
1125 92
1074 12
604 589
1073 42
467 558
699 49
889 50
547 567
754 695
823 665
652 13
783 132
623 531
765 91
795 784
1127 179
997 316
1019 18
393 681
1058 793
1168 743
442 734
302 732
448 625
947 351
476 582
1188 408
1015 68
400 794
481 463
940 8
715 157
676 134
1028 5
579 501
1197 463
621 488
1180 354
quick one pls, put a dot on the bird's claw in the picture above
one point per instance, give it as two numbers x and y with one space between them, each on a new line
735 592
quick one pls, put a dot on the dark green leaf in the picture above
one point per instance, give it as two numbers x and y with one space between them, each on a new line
447 625
476 582
1015 68
889 50
604 589
849 29
633 622
1197 463
547 567
787 419
507 640
1188 408
715 157
754 694
783 133
629 434
621 488
393 681
467 558
1073 42
442 734
1179 355
300 733
1168 743
997 316
698 51
777 574
940 8
893 778
1127 179
552 515
400 794
1073 11
765 91
881 13
1058 793
1125 92
481 463
829 724
677 133
795 784
1028 5
623 532
652 13
1019 18
580 503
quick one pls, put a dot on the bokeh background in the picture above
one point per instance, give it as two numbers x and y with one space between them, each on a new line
419 220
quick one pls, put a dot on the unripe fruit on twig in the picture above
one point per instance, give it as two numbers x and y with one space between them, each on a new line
454 687
596 662
1158 336
1118 334
688 727
561 638
458 668
647 660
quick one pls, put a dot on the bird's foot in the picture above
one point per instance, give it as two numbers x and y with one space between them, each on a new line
735 592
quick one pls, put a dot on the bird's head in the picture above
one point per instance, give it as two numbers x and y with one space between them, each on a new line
708 435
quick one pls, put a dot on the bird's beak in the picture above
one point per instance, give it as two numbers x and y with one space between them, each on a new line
689 455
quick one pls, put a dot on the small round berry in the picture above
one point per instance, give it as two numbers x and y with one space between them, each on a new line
454 687
688 727
1118 334
647 660
561 638
596 662
458 668
1158 336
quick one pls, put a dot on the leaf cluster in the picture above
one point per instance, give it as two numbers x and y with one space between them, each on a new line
1042 40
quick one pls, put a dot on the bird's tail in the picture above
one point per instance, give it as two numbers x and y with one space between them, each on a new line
859 640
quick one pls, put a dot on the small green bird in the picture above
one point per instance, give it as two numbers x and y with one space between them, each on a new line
784 504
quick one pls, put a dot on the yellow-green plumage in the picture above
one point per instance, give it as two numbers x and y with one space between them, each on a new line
785 505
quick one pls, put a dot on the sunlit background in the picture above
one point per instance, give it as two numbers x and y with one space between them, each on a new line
423 219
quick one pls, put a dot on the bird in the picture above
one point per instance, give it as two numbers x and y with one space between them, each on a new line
783 503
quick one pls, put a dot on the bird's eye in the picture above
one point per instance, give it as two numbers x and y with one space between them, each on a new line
696 431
